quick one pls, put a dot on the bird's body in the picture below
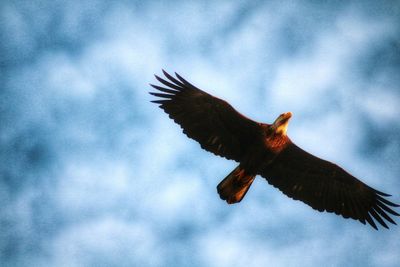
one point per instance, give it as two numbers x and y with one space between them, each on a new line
265 149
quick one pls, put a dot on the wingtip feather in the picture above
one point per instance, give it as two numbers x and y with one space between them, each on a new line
371 222
158 101
168 96
382 193
165 73
387 202
184 81
378 218
153 85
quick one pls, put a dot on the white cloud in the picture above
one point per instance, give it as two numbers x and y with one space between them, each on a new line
131 189
381 106
106 241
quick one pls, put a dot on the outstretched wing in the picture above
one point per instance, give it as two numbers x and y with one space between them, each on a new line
326 187
212 122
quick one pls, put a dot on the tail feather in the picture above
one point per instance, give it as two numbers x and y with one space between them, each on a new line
234 187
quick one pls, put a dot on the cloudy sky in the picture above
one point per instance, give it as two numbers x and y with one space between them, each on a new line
93 174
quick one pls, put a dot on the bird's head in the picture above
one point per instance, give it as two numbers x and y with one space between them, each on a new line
281 123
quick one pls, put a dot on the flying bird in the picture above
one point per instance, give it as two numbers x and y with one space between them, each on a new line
266 150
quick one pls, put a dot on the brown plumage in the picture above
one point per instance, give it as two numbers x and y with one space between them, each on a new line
266 150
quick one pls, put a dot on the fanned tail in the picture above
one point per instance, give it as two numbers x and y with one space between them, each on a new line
234 187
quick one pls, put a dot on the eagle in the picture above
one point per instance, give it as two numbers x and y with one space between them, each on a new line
266 150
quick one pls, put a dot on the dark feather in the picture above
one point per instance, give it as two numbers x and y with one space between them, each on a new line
220 129
162 89
294 166
215 124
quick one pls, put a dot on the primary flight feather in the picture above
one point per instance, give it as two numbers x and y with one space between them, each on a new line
265 149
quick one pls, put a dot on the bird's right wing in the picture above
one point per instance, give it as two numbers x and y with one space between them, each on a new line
326 187
212 122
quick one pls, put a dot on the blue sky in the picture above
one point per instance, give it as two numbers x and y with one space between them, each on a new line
93 174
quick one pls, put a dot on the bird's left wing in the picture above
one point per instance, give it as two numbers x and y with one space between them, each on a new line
211 121
326 187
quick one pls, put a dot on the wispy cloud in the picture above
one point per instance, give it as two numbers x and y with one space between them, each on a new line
94 174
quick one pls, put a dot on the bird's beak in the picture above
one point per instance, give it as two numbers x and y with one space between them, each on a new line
286 116
283 118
